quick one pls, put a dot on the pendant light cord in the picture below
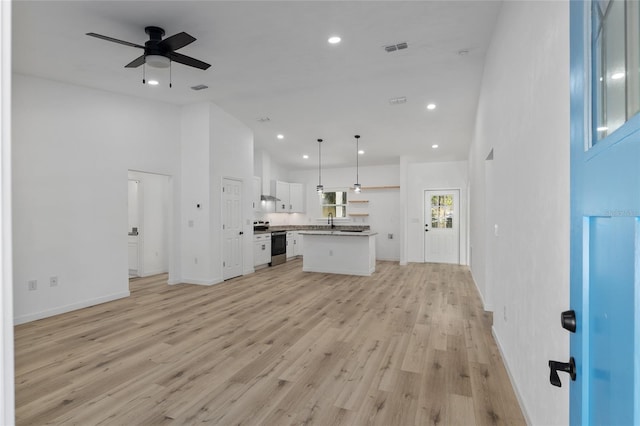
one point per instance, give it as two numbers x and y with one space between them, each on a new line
357 159
319 161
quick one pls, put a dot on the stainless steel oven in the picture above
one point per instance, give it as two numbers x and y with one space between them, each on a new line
278 247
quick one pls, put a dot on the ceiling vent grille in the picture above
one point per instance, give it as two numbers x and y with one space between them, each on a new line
398 101
394 47
199 87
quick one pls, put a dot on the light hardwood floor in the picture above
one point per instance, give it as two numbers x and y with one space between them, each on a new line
408 346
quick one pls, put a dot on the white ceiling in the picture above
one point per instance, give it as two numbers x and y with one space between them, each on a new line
271 59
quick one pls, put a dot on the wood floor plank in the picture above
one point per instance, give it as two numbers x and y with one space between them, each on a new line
408 345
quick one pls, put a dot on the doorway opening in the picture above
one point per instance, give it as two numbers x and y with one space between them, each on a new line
149 201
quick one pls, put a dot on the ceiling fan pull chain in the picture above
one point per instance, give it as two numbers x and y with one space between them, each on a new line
144 69
170 78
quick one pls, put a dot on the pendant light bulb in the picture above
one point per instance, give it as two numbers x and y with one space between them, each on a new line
320 188
356 186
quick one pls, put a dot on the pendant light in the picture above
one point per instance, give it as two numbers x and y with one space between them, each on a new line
320 188
356 186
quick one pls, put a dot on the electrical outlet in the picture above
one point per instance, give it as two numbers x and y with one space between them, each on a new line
33 285
195 260
330 252
390 236
53 281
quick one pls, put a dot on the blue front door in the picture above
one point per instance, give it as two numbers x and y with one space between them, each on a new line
605 225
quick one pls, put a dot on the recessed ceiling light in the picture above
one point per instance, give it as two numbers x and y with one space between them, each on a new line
602 129
153 82
431 106
334 40
361 152
617 76
434 146
306 157
280 136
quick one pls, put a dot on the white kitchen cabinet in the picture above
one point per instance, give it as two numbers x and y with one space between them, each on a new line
298 245
291 196
291 244
282 194
257 192
261 249
296 197
294 244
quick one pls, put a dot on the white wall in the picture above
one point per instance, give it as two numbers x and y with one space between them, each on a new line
215 145
523 114
231 157
72 148
433 176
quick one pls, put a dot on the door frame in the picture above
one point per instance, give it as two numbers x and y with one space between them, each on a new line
460 218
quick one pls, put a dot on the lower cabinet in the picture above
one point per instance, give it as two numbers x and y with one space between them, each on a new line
294 244
261 249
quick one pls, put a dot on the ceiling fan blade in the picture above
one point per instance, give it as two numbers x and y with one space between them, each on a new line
114 40
136 62
186 60
176 41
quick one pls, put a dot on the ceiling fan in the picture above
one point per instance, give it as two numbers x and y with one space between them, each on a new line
158 52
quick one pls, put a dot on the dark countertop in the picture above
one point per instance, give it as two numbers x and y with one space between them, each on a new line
314 228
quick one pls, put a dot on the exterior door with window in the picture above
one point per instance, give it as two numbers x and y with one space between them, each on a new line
232 233
442 226
605 212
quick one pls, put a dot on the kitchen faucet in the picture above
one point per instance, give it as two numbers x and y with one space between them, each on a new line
330 220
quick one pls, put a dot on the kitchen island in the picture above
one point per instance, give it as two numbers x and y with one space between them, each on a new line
339 252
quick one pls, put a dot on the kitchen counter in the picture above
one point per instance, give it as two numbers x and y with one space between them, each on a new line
338 252
339 233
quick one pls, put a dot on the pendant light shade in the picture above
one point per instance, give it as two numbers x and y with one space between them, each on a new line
356 186
320 188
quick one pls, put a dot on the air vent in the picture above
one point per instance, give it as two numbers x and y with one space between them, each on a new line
264 119
398 101
199 87
394 47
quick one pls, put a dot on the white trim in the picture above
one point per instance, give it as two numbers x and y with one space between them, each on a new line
72 307
523 408
7 396
200 282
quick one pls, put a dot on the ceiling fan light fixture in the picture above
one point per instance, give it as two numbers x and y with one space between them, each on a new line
157 61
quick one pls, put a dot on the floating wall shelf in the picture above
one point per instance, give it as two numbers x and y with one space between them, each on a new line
358 214
365 188
359 201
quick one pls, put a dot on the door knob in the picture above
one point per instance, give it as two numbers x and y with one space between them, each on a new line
241 233
567 367
568 320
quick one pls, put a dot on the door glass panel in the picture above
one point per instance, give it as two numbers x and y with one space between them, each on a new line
615 66
442 211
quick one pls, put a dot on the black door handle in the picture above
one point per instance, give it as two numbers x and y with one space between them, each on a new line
567 367
568 320
241 233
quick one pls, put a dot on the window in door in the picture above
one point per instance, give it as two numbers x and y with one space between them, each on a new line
442 211
615 67
334 202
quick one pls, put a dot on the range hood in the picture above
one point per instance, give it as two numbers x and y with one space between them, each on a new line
268 198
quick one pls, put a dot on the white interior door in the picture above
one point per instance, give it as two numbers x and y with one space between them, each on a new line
442 226
232 228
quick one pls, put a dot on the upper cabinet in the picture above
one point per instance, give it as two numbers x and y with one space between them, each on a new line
257 192
296 197
291 196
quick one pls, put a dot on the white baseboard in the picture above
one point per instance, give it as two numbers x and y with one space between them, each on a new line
68 308
527 418
154 272
201 282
